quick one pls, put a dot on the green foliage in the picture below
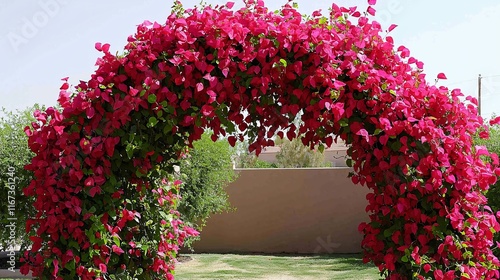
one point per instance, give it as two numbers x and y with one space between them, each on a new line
205 172
245 159
250 160
294 154
14 155
493 145
258 163
493 194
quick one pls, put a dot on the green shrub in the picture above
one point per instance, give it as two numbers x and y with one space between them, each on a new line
205 173
293 154
14 155
493 194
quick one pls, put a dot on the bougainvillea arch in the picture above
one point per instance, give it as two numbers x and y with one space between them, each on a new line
105 206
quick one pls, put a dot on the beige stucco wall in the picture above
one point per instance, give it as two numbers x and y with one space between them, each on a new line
289 211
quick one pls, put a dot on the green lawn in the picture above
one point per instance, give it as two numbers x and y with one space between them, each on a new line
272 267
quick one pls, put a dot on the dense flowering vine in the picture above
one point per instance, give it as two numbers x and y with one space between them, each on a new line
103 207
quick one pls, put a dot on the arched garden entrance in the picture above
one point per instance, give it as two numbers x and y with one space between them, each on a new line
106 205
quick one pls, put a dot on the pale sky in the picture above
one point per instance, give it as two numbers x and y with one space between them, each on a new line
42 41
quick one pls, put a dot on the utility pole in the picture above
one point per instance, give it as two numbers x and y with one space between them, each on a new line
479 94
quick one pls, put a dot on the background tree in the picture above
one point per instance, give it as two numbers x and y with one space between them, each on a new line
493 194
493 145
293 154
15 154
205 172
245 159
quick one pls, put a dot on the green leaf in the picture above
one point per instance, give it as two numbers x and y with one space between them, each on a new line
130 150
197 122
116 240
152 98
169 109
344 122
112 178
70 265
139 174
91 237
396 146
85 257
321 148
152 121
283 62
139 271
167 128
74 244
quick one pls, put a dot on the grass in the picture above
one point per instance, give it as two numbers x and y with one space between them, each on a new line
275 267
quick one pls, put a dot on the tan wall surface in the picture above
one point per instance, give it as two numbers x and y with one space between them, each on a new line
289 211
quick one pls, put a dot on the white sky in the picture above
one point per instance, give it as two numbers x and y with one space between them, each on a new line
42 41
